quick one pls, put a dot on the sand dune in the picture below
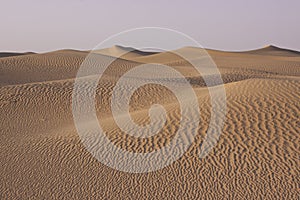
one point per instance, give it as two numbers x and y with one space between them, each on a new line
256 157
123 52
275 51
9 54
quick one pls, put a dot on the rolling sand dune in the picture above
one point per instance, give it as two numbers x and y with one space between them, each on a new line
275 51
257 156
124 52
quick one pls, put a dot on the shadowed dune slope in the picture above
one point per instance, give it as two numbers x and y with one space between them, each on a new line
9 54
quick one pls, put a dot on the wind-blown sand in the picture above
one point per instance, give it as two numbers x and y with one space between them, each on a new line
257 156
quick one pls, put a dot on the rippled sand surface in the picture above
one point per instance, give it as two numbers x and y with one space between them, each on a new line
256 157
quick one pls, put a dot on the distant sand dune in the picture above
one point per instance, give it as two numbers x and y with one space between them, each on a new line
256 157
275 51
9 54
124 52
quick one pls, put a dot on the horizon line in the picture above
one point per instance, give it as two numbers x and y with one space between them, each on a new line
143 50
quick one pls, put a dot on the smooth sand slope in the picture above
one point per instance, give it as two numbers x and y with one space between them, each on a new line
257 156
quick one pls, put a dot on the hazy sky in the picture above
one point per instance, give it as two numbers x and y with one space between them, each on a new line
37 25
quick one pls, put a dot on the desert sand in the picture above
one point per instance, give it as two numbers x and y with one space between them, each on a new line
256 157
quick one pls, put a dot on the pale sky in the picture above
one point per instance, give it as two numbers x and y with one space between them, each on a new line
37 25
